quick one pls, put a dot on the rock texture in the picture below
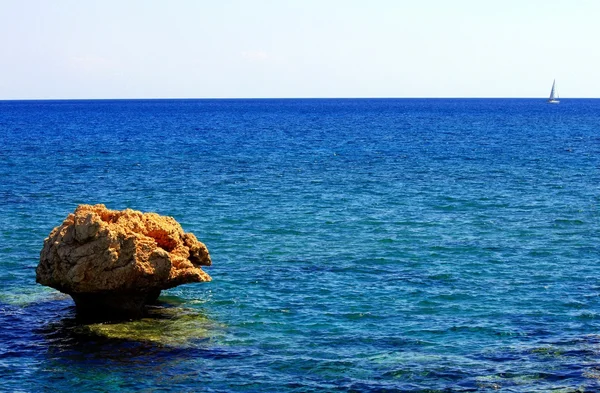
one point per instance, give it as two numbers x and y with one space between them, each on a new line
115 262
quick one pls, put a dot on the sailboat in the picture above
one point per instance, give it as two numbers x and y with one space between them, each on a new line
553 94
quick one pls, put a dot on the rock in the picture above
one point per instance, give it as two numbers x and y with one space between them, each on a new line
113 262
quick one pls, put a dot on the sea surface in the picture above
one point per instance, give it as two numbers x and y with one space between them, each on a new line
358 245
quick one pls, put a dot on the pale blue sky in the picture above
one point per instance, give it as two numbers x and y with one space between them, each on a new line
310 48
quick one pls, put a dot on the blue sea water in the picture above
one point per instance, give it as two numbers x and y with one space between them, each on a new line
358 245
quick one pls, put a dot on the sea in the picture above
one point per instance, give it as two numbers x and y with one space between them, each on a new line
358 245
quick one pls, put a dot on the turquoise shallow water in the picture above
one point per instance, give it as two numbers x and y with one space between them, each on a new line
358 245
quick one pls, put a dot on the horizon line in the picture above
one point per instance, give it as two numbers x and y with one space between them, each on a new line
285 98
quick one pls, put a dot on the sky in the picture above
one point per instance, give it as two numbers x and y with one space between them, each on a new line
93 49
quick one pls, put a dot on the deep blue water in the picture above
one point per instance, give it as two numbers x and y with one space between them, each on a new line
416 245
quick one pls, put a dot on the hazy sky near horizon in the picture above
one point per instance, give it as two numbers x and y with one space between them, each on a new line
63 49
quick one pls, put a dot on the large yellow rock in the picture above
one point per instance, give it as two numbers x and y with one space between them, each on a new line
116 261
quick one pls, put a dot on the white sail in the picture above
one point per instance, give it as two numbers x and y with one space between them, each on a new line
553 94
553 91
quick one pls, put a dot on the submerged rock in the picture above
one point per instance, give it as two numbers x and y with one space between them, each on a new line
114 262
173 327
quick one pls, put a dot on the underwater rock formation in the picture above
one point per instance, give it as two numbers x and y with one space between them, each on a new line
115 262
